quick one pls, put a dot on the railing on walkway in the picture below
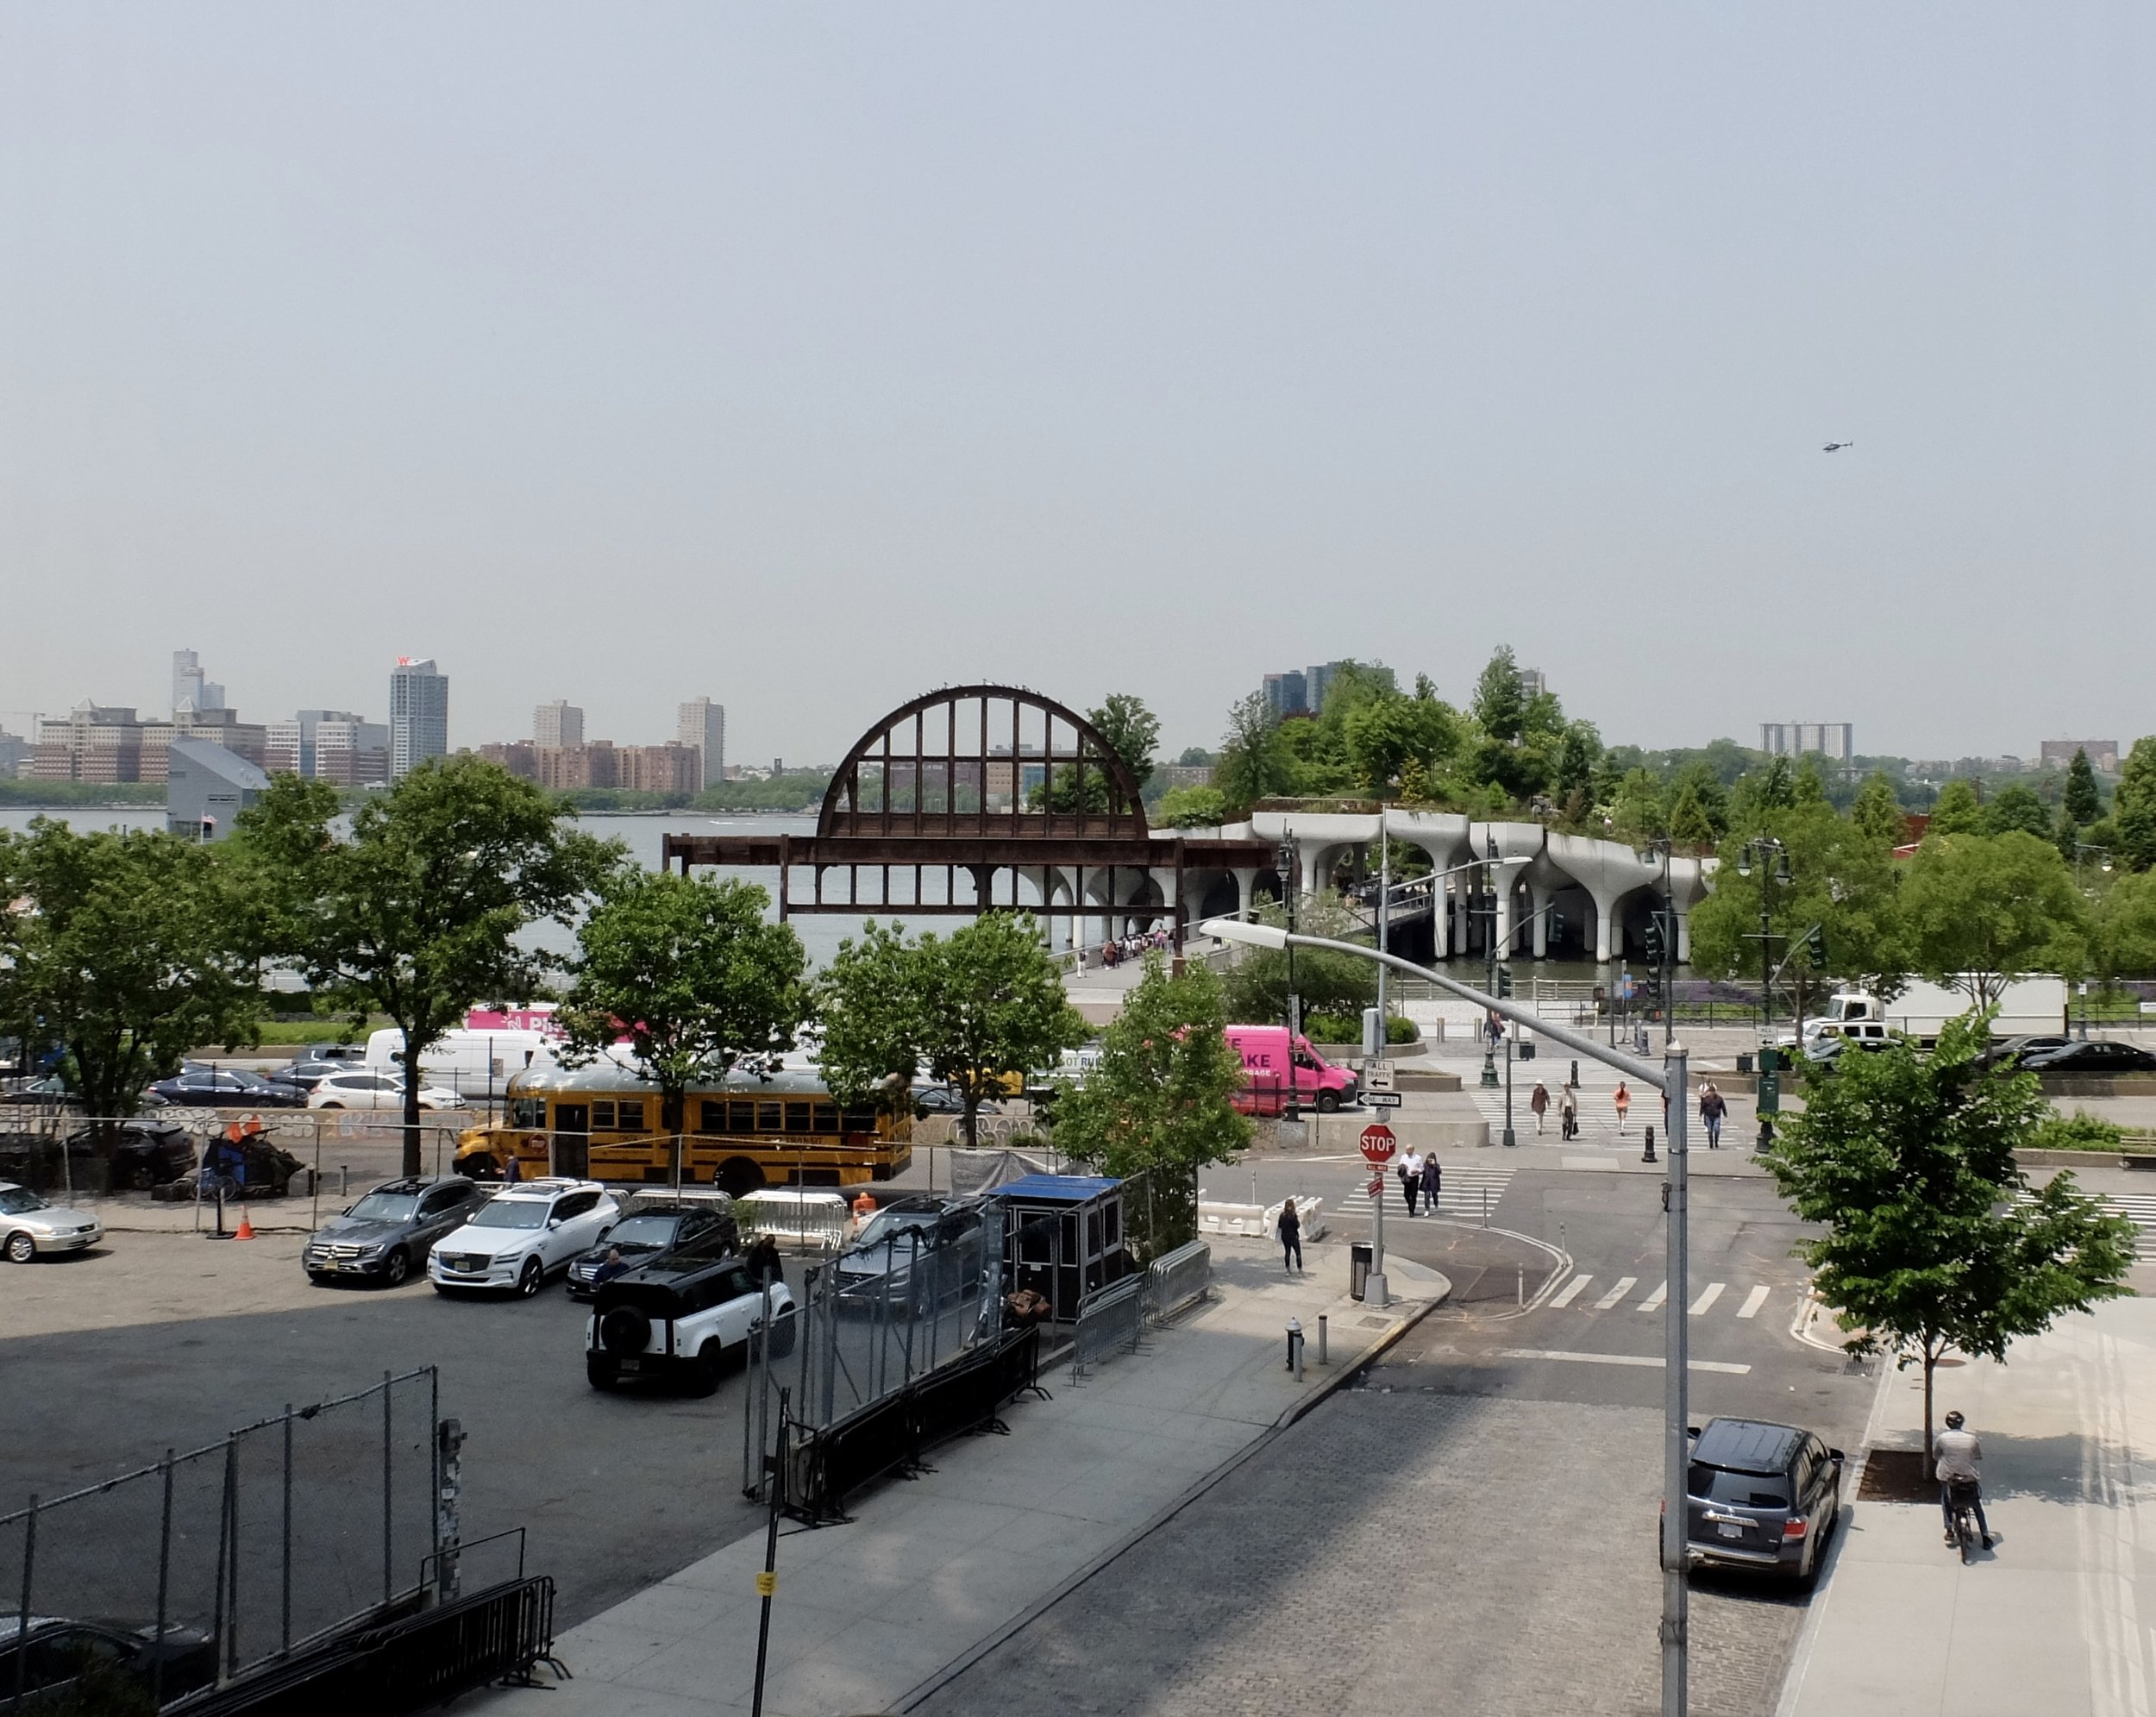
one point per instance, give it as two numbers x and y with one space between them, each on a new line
1178 1279
1109 1319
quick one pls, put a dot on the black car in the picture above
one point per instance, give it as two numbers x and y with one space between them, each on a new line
2099 1056
226 1087
1762 1496
147 1153
387 1236
651 1231
101 1666
2017 1051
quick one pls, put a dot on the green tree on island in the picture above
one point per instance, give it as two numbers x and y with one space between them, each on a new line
125 951
1959 810
687 973
1907 1161
1157 1105
1981 911
417 913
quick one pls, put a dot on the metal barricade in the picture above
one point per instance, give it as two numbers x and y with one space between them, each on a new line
1178 1279
1109 1319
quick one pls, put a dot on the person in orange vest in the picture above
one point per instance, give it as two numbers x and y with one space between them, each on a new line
864 1207
1623 1101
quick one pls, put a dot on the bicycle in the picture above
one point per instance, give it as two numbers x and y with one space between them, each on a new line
1962 1496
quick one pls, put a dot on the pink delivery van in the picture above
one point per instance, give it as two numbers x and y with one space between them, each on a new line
1318 1084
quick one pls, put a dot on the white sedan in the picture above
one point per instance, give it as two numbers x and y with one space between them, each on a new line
363 1090
523 1235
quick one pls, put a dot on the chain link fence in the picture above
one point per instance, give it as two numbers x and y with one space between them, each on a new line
284 1532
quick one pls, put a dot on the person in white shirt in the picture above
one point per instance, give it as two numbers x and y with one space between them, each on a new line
1958 1461
1411 1179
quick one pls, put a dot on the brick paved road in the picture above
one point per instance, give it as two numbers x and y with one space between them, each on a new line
1397 1551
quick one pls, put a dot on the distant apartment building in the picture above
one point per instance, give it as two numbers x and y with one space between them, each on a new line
660 769
703 730
16 754
105 744
1185 774
559 723
418 714
329 745
600 763
1302 692
2057 754
1532 683
191 690
519 756
1834 741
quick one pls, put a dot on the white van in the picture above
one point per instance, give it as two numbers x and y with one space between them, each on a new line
471 1063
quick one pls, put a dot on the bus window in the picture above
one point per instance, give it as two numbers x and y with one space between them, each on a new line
602 1115
797 1117
527 1112
630 1115
770 1117
826 1119
714 1118
741 1116
860 1121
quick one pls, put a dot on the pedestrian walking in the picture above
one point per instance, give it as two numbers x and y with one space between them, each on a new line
1290 1238
1433 1182
1623 1101
1540 1102
1711 1108
1411 1180
1568 1116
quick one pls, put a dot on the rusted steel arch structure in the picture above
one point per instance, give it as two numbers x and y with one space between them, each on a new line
977 799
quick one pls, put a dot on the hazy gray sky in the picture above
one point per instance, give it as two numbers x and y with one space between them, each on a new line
809 357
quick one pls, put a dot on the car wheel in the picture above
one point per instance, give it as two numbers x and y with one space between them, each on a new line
329 1106
600 1375
395 1268
1328 1102
711 1362
144 1178
21 1248
529 1278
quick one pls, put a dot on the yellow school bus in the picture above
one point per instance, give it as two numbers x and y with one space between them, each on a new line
781 1128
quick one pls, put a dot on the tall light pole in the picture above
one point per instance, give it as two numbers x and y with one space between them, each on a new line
1771 858
2082 850
1672 1079
1287 859
1653 852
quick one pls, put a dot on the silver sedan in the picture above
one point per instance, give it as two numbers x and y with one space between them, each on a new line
30 1227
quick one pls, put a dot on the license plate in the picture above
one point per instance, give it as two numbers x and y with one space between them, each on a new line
631 1364
1730 1530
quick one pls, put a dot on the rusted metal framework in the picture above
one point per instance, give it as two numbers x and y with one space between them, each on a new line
994 798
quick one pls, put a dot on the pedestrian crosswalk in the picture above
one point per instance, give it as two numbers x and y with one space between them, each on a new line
1582 1292
1468 1190
2138 1208
1598 1119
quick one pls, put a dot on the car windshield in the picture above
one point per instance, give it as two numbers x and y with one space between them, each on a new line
17 1200
894 1224
512 1213
1743 1490
645 1233
385 1207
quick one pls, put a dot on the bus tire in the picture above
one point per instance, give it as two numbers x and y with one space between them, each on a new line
737 1175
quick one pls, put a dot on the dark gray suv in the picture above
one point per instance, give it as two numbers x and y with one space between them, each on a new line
1760 1495
387 1236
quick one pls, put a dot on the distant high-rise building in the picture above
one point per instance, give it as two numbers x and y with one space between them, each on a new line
418 715
559 723
191 690
2104 754
1532 684
703 730
1834 741
15 752
1286 694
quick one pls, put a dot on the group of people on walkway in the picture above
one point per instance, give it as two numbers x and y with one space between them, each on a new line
1136 947
1713 1109
1420 1178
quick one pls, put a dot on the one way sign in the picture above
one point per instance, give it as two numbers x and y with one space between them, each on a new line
1381 1099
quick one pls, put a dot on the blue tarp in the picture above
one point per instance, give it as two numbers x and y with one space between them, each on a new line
1056 1188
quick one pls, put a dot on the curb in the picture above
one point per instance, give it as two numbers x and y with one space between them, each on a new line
921 1691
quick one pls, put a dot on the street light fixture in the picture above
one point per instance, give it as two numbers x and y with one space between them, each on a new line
1772 859
1672 1079
1286 859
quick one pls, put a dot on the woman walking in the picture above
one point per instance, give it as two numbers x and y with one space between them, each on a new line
1433 1182
1568 1116
1290 1239
1623 1101
1540 1104
1711 1108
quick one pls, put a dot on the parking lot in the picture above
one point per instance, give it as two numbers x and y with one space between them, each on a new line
159 1340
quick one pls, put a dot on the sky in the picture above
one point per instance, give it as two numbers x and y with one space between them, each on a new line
809 358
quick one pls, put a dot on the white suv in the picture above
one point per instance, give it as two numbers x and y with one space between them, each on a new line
683 1316
525 1234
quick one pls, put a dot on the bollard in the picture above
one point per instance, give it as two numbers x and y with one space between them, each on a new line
1294 1347
1485 1207
1574 1080
1520 1288
1322 1359
1648 1154
344 1180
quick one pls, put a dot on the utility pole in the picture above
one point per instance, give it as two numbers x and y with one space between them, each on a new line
1773 860
1293 1111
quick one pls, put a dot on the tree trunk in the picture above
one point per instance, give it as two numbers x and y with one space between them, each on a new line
1931 1365
969 1120
413 1164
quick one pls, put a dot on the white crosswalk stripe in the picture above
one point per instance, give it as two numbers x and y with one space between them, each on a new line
1572 1290
1708 1295
1653 1301
1624 1285
1468 1190
2138 1208
1753 1301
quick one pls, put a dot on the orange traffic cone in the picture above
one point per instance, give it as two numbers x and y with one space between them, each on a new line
245 1230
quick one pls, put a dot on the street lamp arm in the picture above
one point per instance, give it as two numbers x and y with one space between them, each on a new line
1273 937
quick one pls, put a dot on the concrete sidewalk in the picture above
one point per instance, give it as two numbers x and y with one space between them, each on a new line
2056 1618
871 1615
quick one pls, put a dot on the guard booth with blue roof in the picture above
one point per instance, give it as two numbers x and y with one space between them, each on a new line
1063 1237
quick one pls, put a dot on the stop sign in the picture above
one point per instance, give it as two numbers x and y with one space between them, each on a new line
1378 1144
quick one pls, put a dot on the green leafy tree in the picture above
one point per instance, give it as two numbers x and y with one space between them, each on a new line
1254 763
2015 806
1907 1161
418 914
2083 800
1386 735
1193 808
1690 826
1810 785
1500 707
1635 815
2122 927
2133 806
1132 730
1156 1105
1255 987
1877 813
126 950
1982 910
1579 748
1761 792
690 973
1958 810
980 1007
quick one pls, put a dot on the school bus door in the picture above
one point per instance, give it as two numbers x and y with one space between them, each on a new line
572 1139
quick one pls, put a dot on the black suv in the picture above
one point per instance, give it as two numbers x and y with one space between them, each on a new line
146 1154
387 1235
1760 1495
653 1231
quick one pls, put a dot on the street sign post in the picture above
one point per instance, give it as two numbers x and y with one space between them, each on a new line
1379 1144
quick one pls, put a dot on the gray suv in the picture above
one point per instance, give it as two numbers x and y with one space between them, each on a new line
387 1236
1760 1495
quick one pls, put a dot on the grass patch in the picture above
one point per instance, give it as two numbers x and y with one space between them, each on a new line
318 1030
2080 1131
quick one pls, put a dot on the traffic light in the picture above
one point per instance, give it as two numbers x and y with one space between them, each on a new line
1504 982
1654 939
1815 945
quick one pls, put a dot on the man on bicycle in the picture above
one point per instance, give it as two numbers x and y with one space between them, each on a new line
1956 1458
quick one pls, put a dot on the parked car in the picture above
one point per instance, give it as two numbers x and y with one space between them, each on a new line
101 1666
2014 1051
1761 1496
48 1091
346 1054
363 1088
524 1233
389 1232
32 1228
146 1153
2099 1056
683 1317
649 1232
225 1087
920 1229
307 1072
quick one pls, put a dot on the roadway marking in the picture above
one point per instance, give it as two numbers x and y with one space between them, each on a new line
1653 1301
1753 1301
1572 1290
1712 1292
1719 1365
1625 1285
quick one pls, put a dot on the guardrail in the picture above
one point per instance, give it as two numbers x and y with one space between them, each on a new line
1178 1279
1108 1318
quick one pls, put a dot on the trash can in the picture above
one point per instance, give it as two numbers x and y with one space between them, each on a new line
1526 1049
1744 1061
1359 1257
